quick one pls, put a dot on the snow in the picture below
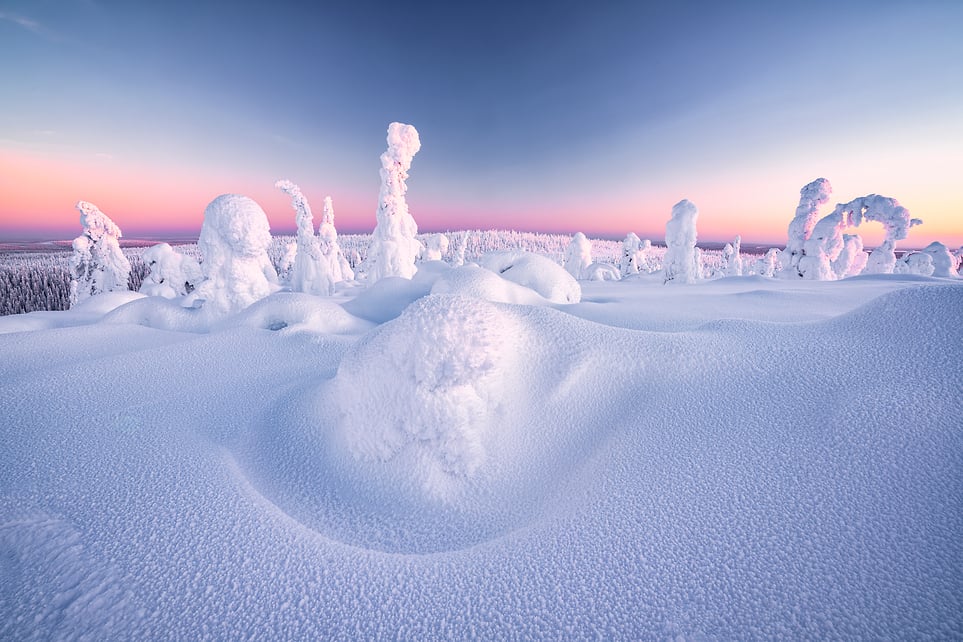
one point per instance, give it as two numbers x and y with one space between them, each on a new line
310 271
171 274
97 265
740 458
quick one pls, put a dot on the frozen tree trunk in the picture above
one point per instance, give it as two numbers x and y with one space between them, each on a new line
337 262
811 196
98 264
309 273
394 249
681 263
852 259
578 256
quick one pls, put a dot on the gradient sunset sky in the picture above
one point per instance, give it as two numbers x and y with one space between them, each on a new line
555 116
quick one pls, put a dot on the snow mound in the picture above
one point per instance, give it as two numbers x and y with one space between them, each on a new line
537 272
423 392
289 312
477 282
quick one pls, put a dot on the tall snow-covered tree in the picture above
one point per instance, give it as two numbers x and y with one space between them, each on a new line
630 259
310 272
98 264
732 256
681 263
394 248
337 262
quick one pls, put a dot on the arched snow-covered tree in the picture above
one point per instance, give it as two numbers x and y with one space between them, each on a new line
310 272
97 264
681 263
394 248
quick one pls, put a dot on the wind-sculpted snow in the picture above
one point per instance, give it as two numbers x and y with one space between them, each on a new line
744 458
542 275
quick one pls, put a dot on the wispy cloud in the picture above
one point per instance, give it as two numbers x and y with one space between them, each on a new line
27 23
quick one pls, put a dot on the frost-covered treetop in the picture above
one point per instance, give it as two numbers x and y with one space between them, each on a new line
811 196
96 224
403 144
234 223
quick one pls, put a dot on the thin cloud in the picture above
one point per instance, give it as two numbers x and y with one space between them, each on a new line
30 25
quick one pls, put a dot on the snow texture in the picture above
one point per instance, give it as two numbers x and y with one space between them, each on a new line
394 248
97 264
234 240
639 465
681 263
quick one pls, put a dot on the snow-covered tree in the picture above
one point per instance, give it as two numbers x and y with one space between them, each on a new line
681 263
394 248
97 265
458 256
631 262
578 256
436 247
944 263
768 264
826 242
310 271
811 196
172 274
917 263
234 242
337 262
731 255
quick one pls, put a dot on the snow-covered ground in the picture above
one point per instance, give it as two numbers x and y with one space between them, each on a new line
742 458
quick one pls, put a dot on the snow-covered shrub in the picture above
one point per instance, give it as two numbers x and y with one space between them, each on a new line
421 394
681 263
578 256
394 248
309 273
171 274
917 263
97 264
767 264
732 257
436 248
234 240
944 263
539 273
631 260
338 264
811 196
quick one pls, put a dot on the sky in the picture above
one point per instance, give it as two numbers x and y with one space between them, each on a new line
555 117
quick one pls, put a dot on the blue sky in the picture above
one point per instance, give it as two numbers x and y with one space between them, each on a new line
558 116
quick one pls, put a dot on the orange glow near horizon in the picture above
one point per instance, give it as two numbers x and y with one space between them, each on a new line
39 193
